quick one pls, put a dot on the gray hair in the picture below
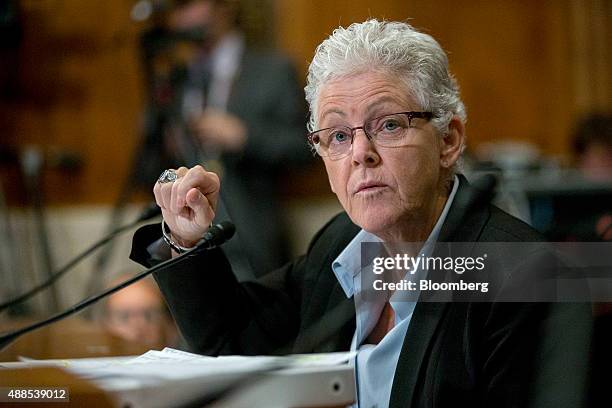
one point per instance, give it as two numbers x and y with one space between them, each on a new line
395 48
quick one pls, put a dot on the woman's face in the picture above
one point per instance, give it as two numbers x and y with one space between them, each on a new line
381 188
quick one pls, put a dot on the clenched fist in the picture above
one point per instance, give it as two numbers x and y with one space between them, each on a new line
188 204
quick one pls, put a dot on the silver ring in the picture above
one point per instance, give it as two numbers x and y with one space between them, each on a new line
167 176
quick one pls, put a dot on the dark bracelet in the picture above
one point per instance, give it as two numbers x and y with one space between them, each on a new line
168 240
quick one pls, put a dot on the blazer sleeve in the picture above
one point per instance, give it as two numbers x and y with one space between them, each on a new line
214 312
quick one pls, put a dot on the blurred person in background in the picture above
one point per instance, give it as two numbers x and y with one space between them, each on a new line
138 314
234 109
592 142
574 205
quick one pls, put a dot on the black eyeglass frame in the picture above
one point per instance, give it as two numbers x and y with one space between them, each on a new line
410 114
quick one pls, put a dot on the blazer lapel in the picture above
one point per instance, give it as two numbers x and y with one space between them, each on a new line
467 215
344 310
425 321
464 223
330 311
334 329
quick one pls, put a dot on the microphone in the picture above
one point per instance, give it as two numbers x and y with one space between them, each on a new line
215 236
151 211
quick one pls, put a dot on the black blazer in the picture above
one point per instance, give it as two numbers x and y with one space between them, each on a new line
454 354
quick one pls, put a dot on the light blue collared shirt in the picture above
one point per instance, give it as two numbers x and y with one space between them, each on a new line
375 364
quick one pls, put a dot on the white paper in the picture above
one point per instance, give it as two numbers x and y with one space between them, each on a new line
170 376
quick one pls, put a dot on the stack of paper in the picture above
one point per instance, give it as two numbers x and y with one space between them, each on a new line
176 378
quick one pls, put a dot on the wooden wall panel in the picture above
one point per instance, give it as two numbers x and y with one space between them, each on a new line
79 91
514 59
528 70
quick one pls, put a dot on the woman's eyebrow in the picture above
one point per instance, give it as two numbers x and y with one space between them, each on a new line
327 112
383 101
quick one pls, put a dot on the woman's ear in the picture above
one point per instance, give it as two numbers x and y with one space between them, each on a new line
452 143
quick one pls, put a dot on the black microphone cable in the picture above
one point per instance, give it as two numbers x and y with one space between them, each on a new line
215 236
151 211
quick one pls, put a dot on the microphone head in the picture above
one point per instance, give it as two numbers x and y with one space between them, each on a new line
217 235
228 228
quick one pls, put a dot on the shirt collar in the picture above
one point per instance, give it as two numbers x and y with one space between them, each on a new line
348 264
227 54
435 232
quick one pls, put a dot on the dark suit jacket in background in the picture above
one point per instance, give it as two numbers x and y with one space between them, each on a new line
454 354
266 96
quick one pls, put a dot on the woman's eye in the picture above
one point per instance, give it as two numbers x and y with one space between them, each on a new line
339 137
389 125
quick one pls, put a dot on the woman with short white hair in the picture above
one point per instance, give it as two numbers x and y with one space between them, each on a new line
388 123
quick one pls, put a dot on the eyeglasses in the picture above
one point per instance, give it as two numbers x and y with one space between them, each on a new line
387 131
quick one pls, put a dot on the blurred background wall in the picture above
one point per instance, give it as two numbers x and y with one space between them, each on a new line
527 69
72 96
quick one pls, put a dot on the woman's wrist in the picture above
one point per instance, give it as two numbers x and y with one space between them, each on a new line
177 244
